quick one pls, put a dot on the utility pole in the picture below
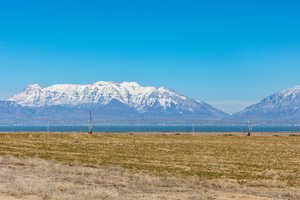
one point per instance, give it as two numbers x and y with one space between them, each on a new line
91 124
249 129
48 127
193 127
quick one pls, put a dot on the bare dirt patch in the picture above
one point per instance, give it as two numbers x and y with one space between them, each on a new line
36 179
40 179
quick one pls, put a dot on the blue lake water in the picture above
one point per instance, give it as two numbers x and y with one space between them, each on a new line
113 129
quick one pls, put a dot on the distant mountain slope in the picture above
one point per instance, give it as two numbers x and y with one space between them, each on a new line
281 106
109 100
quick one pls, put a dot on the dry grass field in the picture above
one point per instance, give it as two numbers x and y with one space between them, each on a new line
148 166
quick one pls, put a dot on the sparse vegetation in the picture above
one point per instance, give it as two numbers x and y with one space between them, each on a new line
232 164
36 179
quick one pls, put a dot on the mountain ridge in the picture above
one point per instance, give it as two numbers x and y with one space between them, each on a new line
110 100
129 100
279 106
103 92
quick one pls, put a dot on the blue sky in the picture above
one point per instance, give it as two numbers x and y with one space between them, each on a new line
229 53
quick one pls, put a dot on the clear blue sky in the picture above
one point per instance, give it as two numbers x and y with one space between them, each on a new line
229 53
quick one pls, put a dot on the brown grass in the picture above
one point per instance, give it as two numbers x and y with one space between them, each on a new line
198 165
40 179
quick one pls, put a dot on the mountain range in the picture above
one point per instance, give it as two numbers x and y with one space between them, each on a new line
281 106
107 101
72 103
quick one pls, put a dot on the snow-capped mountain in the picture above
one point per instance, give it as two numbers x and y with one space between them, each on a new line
129 93
108 100
284 105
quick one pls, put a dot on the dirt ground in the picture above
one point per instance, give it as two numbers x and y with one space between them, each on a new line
37 179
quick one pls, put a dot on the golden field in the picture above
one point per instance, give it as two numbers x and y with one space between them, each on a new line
187 166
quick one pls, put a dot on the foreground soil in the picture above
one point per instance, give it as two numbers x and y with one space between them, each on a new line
36 179
149 166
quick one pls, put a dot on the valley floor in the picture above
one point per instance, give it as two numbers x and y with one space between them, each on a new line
75 166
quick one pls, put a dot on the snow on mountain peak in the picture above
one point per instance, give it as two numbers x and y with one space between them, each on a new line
130 93
291 91
283 105
131 84
34 86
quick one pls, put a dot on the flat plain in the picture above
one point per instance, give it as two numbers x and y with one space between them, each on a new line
202 166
